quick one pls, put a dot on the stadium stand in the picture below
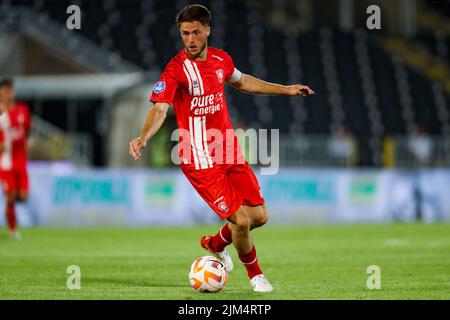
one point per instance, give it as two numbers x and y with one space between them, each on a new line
361 85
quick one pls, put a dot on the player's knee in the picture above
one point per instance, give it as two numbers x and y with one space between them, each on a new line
240 222
264 219
11 197
243 224
22 197
260 220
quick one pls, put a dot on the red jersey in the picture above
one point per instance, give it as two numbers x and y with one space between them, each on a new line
14 125
196 90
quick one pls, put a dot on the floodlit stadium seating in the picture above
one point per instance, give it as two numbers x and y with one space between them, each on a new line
359 85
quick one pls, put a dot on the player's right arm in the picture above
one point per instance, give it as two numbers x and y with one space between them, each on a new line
153 122
162 95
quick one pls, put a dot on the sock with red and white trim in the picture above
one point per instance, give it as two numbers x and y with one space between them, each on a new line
250 262
221 239
11 216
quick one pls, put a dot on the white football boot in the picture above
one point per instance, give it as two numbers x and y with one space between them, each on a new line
15 235
226 258
224 255
260 283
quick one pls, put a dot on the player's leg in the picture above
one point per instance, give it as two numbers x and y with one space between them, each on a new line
10 212
218 190
211 186
22 185
10 198
258 215
217 244
245 183
9 192
15 178
243 187
20 194
240 224
240 231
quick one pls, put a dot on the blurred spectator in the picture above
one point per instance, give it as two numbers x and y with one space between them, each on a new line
421 146
160 148
341 146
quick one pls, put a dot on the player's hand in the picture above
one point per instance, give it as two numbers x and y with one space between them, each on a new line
300 90
135 147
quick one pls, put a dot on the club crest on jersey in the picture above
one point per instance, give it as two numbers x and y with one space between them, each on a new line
219 74
159 87
223 207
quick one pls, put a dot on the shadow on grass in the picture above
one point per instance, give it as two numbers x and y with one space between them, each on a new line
132 283
8 239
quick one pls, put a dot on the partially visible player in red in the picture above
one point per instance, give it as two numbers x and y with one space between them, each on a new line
193 81
15 124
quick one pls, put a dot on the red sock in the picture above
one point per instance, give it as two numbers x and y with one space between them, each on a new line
221 239
250 262
11 216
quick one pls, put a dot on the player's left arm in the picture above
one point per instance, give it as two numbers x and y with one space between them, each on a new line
250 84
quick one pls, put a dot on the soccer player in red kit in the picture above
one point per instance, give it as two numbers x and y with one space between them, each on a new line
15 124
193 81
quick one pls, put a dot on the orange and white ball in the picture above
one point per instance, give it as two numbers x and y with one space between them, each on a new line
208 274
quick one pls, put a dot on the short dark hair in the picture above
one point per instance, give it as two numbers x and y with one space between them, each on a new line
6 82
194 12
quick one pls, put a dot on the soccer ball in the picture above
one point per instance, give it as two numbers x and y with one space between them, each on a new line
208 274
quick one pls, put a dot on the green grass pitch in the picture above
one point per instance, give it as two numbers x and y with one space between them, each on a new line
310 262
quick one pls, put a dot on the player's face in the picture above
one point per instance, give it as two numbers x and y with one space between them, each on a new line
6 97
195 36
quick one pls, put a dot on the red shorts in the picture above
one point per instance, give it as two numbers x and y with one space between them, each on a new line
14 180
226 187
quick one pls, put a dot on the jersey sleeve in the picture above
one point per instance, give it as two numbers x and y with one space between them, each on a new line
165 88
229 67
232 74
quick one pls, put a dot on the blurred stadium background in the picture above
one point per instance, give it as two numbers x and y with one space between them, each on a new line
373 145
